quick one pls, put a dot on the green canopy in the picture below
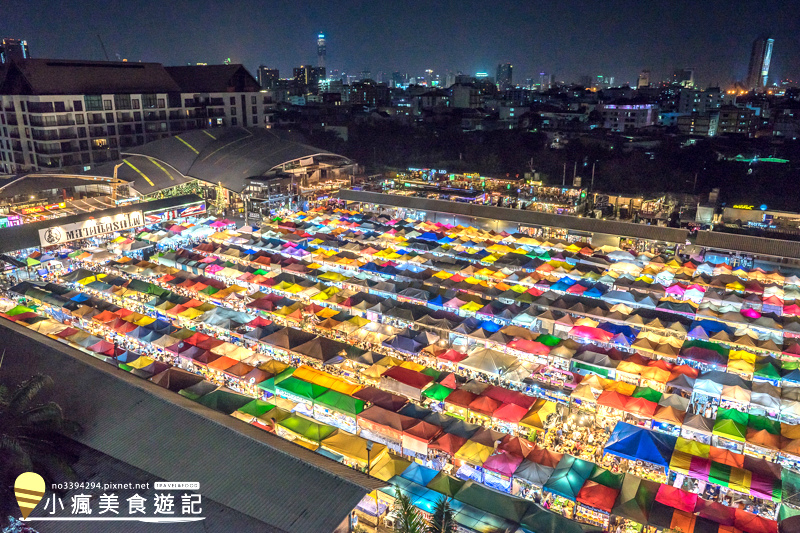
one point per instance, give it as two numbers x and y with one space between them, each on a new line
488 500
256 408
732 414
647 393
569 476
224 401
719 474
720 349
437 392
542 521
18 310
76 253
340 402
606 478
209 290
299 388
431 372
444 484
762 422
32 262
730 429
269 385
306 428
766 371
548 340
636 498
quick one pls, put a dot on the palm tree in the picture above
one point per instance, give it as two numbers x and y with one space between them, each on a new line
442 520
407 517
34 436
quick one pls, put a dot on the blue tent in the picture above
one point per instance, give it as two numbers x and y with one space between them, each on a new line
436 302
711 326
421 475
490 326
80 297
640 444
403 344
569 476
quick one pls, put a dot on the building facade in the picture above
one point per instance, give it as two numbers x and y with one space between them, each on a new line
621 117
505 76
13 50
72 115
760 57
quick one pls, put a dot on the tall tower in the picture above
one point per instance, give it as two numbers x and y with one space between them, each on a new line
321 50
13 49
504 76
644 79
758 71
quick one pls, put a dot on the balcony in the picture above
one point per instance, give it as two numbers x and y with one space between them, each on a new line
50 135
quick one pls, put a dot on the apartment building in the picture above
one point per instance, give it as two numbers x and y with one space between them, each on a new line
71 115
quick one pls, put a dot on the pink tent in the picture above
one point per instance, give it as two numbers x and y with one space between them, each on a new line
503 463
595 334
532 347
676 498
676 291
751 313
218 224
210 269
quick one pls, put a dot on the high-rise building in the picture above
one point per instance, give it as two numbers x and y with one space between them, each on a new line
504 76
267 77
366 74
758 71
307 77
13 49
644 79
684 77
321 50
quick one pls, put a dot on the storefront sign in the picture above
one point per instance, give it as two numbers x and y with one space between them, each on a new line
56 235
743 206
192 210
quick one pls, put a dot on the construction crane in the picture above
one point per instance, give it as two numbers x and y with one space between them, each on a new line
103 46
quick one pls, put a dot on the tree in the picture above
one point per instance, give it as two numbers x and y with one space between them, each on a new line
442 520
34 436
407 517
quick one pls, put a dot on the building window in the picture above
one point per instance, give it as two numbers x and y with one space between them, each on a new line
122 101
253 100
255 121
254 110
161 104
60 107
93 102
233 111
135 103
149 101
234 121
81 132
107 105
109 117
77 105
233 100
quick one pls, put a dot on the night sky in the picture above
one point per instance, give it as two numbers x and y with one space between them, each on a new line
567 38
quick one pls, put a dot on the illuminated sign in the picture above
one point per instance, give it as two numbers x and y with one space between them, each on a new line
743 206
56 235
31 210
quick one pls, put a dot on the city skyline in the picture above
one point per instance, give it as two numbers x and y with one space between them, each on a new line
569 41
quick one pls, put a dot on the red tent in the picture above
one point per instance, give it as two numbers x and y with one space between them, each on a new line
452 355
676 498
461 398
484 405
597 496
544 457
409 377
641 407
196 338
717 512
531 347
754 524
423 431
376 396
610 398
259 322
516 445
504 395
448 443
509 412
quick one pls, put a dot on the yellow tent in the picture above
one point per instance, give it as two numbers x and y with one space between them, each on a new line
474 453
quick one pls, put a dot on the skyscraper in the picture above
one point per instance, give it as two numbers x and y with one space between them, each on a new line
684 77
758 71
13 49
504 76
321 50
267 77
644 79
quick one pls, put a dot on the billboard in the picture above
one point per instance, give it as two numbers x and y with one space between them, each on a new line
56 235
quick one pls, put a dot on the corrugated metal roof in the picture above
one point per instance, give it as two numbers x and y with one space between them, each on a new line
533 218
169 436
749 244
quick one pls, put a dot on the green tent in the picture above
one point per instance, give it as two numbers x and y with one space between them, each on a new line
340 402
719 474
182 334
208 291
437 392
730 429
32 262
548 340
636 498
18 310
648 394
269 385
766 371
224 401
431 372
720 349
542 521
488 500
732 414
300 389
76 253
762 422
256 408
306 428
447 485
607 478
